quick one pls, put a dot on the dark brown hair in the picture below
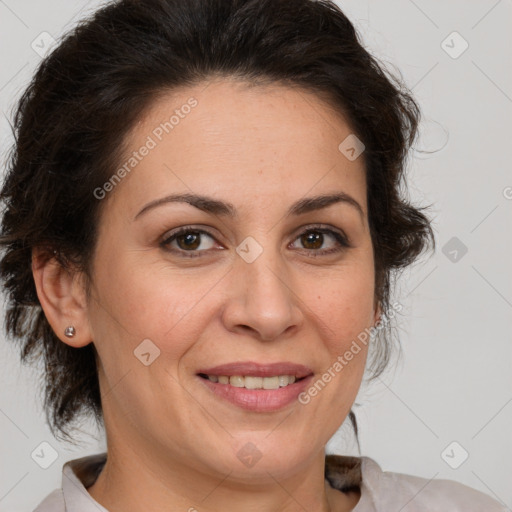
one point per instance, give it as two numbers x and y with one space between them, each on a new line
73 118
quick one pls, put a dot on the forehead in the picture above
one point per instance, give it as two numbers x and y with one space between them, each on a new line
257 143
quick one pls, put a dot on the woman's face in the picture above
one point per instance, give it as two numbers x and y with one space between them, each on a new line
266 279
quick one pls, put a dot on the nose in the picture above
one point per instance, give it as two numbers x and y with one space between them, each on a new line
261 299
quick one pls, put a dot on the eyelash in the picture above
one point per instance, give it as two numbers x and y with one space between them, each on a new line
341 239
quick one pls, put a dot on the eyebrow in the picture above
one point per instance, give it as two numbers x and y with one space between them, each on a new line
226 209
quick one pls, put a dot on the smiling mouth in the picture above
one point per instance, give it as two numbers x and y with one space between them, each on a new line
253 382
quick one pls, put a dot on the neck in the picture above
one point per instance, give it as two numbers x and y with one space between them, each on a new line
132 481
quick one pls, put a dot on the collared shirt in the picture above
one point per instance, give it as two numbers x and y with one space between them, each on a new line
381 491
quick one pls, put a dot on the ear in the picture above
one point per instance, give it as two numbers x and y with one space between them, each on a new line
61 293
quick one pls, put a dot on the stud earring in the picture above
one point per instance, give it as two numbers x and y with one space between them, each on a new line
69 332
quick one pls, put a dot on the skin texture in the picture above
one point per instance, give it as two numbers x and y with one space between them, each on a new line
172 444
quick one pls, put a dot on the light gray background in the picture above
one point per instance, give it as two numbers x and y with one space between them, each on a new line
454 382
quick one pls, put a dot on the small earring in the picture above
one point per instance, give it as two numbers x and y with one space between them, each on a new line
69 331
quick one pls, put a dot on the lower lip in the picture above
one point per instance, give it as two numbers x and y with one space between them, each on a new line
259 400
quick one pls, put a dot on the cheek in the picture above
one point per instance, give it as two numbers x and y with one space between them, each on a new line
345 310
143 302
152 305
345 305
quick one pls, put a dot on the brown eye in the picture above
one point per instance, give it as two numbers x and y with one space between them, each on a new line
193 241
314 239
188 241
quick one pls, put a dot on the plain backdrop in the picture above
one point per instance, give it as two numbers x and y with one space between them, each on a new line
450 396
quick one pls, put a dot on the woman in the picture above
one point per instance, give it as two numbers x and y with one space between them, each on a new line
202 220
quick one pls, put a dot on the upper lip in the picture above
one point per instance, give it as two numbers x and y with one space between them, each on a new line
244 368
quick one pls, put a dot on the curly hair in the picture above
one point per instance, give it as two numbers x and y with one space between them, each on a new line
72 120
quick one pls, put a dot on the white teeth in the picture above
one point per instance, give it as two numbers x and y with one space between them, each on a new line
270 383
250 382
283 380
237 381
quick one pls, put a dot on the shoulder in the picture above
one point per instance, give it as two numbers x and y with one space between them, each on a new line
417 494
54 502
77 475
